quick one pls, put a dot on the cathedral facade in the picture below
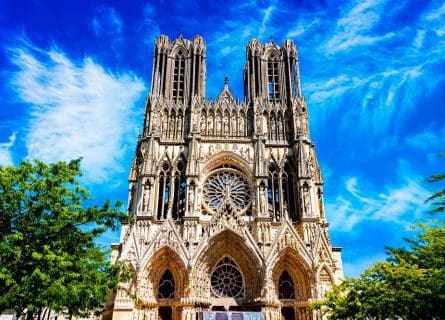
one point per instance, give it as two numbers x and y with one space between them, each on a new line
226 196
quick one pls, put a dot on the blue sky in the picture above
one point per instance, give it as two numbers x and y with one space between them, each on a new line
74 77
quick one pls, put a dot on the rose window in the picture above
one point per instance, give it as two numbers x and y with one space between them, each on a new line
227 280
224 185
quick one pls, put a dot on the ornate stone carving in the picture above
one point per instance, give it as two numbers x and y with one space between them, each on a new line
226 196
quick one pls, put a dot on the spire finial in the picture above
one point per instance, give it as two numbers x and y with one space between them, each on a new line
226 80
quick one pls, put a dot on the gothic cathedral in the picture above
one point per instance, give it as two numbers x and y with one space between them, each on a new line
226 196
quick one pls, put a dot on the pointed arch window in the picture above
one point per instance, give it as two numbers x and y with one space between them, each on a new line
286 289
179 193
164 190
294 76
178 76
273 192
227 281
272 79
288 191
166 288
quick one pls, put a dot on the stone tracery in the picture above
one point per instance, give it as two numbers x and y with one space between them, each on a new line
226 185
226 280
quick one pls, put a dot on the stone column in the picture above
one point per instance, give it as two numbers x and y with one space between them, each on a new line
188 313
271 313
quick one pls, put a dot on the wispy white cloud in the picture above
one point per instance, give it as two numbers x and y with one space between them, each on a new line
267 13
355 27
77 109
6 158
356 79
150 28
250 19
428 140
107 21
436 14
302 26
399 204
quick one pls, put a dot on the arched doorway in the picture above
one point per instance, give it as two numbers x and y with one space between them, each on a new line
292 278
286 292
166 276
227 272
166 293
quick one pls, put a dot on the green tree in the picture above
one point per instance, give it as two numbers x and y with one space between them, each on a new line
48 254
437 200
410 284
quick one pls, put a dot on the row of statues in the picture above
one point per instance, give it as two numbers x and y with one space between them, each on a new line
223 124
172 125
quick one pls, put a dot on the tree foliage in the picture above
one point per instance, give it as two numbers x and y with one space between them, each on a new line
410 284
437 200
48 254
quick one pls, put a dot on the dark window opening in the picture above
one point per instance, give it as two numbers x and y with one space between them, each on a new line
273 195
164 191
166 288
178 77
273 83
286 286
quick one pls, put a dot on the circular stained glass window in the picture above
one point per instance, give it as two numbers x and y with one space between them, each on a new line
227 280
226 184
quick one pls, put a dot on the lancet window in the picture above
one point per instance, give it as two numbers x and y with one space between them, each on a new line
179 191
280 193
178 77
286 288
272 80
273 192
166 288
226 280
171 191
293 72
288 192
164 190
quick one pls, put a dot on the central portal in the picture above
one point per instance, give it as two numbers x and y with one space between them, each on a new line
287 313
165 313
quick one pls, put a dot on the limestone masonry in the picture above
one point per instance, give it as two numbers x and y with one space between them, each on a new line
227 196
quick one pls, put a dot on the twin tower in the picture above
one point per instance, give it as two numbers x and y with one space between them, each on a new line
226 196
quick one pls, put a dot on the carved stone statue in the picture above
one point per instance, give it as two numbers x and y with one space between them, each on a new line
146 197
307 202
218 125
210 124
226 125
263 200
203 124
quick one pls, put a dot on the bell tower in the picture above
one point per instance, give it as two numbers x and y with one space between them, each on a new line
226 195
179 69
271 72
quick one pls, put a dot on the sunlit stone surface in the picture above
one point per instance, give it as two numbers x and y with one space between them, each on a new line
227 196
